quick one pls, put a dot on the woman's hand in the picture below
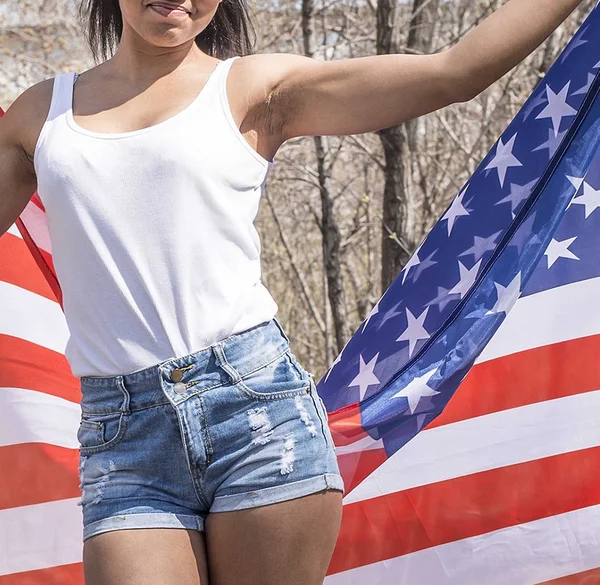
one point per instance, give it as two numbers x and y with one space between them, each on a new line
307 97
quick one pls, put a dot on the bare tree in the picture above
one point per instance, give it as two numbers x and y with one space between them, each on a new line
329 227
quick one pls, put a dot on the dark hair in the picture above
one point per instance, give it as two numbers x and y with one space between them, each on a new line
229 33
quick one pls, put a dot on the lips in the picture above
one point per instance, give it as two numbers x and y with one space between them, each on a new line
168 6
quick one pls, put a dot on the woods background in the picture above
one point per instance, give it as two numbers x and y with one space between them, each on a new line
340 215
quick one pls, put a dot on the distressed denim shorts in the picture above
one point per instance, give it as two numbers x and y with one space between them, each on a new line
236 425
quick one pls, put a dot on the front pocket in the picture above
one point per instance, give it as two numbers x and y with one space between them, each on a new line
98 432
282 378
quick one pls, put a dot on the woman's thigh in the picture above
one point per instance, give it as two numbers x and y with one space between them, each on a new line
156 556
289 543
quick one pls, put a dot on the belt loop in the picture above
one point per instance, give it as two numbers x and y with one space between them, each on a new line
126 396
221 360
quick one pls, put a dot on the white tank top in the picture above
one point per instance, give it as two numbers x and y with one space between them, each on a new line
152 231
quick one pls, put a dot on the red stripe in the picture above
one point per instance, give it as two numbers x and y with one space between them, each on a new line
32 367
346 429
34 473
19 268
411 520
544 373
345 425
586 578
356 467
37 201
43 260
62 575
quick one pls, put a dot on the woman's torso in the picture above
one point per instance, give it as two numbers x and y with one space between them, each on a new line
152 231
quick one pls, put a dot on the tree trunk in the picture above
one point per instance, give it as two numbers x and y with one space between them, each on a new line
330 230
422 25
396 201
397 239
420 41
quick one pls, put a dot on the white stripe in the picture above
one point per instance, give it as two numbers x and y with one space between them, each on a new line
14 230
27 416
487 442
36 222
364 444
32 317
40 536
551 316
520 555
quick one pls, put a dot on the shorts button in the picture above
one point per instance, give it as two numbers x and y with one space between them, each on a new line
179 388
176 375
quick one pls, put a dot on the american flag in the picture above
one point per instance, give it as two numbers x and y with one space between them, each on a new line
494 321
503 486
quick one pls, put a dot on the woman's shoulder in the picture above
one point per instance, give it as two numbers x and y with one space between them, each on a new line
29 111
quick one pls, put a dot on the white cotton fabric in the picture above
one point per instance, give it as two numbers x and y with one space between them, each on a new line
152 231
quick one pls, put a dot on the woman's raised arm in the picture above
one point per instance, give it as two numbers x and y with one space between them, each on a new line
350 96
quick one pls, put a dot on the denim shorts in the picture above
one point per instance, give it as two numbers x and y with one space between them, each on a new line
236 425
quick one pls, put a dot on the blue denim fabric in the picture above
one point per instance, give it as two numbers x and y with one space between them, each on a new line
233 426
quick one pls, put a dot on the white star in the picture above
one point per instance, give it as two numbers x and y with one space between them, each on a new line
525 234
586 87
557 107
552 143
414 261
518 194
481 246
373 312
535 102
504 159
425 264
455 210
466 281
577 183
507 296
338 359
443 299
575 43
558 250
415 330
416 390
366 377
590 198
390 314
596 66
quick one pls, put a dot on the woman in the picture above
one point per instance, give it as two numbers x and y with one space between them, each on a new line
205 452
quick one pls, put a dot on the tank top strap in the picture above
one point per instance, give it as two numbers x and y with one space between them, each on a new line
225 65
62 95
221 74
